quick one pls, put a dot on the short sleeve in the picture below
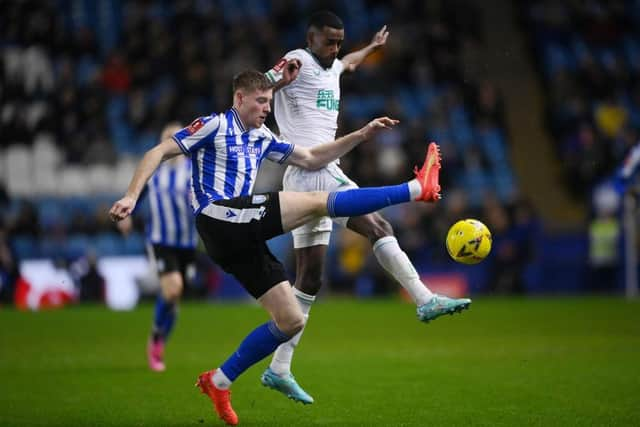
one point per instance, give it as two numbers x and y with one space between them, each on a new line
278 150
199 133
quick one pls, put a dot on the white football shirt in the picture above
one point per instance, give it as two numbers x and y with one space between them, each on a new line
306 110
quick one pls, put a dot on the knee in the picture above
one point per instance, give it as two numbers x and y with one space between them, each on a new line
292 323
379 228
319 202
171 288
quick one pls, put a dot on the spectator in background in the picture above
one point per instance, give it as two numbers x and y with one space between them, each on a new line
604 241
509 255
8 266
90 283
26 221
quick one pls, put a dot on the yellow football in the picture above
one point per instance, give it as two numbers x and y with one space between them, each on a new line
468 241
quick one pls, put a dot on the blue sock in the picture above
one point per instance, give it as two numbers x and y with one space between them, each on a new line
164 319
360 201
260 343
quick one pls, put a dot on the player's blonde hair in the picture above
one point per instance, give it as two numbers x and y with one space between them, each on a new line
250 80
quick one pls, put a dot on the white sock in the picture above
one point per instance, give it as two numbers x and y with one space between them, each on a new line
281 361
397 263
220 380
415 189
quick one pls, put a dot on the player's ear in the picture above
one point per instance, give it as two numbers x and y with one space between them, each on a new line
310 35
238 98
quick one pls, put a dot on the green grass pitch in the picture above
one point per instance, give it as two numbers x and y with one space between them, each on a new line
506 362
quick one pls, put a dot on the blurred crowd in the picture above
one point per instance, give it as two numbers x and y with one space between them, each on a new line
100 78
588 54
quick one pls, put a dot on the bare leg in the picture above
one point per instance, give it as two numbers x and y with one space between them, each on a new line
297 208
283 308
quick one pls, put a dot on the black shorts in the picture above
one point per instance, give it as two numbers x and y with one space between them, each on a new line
169 259
234 232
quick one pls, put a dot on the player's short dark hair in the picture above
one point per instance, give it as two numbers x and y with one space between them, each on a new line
325 18
251 80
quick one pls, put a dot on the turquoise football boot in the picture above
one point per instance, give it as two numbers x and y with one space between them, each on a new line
286 385
439 305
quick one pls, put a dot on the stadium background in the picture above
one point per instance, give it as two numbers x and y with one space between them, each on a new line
535 104
530 123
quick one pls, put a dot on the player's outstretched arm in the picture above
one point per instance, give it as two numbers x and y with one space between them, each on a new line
320 155
353 59
147 166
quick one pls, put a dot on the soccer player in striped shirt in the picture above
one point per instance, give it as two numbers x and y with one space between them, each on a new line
226 150
306 110
172 237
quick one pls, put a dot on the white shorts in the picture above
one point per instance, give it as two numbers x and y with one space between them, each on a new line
329 178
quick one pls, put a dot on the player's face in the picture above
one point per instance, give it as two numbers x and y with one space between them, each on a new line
254 107
326 44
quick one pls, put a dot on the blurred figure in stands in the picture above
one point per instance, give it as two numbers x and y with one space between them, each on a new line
604 241
8 267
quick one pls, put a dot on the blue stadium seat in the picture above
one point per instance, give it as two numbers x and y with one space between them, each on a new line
77 245
25 247
108 244
134 244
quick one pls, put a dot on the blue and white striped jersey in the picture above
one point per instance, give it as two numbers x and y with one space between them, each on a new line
169 190
225 156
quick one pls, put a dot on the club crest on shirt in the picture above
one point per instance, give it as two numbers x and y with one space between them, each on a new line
195 126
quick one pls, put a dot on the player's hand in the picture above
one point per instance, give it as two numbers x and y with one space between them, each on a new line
291 70
122 208
376 125
380 38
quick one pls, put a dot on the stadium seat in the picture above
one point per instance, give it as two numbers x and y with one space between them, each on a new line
107 244
73 181
19 166
100 179
25 247
134 244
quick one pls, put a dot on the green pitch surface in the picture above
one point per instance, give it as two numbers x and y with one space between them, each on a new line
506 362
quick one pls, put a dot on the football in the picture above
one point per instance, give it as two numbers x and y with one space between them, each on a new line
468 241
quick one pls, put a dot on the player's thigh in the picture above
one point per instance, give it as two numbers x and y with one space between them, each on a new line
283 307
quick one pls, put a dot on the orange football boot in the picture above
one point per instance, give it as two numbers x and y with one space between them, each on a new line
221 398
429 174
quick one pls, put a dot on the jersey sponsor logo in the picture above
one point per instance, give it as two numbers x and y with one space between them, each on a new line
195 126
238 149
325 100
280 65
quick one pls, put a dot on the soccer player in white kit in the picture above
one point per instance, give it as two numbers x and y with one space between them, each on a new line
306 110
